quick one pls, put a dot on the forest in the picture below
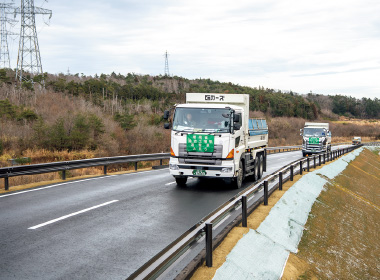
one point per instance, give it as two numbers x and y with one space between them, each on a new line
108 115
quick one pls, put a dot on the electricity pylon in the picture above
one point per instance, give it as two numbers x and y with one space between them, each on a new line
5 9
29 58
166 64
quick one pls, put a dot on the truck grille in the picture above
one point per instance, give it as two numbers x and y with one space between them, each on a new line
316 147
200 158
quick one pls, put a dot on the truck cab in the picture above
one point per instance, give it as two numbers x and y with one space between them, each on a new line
356 140
316 138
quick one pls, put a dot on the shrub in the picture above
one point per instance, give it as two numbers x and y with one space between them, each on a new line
126 121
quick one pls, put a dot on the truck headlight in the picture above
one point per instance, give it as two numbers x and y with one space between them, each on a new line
173 166
226 170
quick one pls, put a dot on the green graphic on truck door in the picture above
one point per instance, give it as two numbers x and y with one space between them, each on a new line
200 143
313 140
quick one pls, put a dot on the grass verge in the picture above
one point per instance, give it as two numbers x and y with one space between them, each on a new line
341 236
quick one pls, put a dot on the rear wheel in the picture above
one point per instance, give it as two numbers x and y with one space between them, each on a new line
256 169
181 181
261 166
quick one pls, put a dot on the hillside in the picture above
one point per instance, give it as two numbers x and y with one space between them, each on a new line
107 115
340 239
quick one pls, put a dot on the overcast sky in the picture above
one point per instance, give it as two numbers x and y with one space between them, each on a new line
325 46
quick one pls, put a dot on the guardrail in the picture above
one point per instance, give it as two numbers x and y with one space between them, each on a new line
167 257
296 148
33 169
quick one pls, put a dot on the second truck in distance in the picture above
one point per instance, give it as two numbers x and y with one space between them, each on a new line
316 138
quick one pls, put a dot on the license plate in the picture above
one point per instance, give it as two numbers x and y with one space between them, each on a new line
197 172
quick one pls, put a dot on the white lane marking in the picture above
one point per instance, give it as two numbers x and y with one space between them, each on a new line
71 182
53 186
72 214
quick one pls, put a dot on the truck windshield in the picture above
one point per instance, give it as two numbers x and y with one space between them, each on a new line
202 120
313 131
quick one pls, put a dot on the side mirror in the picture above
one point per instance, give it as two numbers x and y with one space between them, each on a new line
166 114
236 118
237 126
167 125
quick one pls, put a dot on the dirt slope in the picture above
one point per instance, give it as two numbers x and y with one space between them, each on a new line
341 237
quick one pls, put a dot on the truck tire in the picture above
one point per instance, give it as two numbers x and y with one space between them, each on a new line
261 166
181 181
256 169
303 154
238 181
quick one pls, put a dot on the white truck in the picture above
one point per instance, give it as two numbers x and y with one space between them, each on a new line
213 137
316 138
356 140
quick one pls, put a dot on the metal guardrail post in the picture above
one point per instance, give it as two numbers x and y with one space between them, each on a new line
265 161
105 169
308 164
160 162
244 210
315 164
63 174
324 158
291 172
280 181
301 167
265 192
319 160
208 229
135 166
6 183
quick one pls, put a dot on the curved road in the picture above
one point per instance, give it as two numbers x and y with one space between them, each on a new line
104 227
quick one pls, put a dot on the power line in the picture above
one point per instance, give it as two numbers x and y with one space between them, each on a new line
29 58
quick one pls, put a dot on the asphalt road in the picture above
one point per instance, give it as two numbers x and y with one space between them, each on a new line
104 227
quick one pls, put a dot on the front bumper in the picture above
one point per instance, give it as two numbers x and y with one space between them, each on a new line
314 150
226 170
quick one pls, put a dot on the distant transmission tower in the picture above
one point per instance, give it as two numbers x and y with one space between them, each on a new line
166 64
5 9
28 58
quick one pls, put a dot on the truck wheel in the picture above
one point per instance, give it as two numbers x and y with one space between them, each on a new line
181 181
238 182
261 166
303 154
256 169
